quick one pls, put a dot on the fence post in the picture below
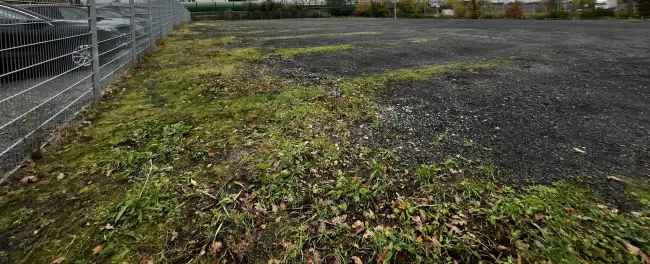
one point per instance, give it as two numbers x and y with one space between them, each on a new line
160 19
133 40
152 41
92 21
169 19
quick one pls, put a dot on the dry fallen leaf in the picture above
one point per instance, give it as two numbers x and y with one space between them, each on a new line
382 258
98 249
570 210
368 234
215 247
58 260
431 242
145 260
212 152
636 251
314 256
356 260
29 179
357 226
286 244
614 178
454 229
417 221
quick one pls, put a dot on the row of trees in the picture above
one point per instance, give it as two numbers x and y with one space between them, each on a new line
405 8
487 9
421 8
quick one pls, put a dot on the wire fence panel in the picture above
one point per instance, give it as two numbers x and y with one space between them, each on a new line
56 58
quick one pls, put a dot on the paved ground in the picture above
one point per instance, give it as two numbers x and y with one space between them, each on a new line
572 101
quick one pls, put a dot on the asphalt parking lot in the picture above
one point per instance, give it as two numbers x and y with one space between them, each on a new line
571 100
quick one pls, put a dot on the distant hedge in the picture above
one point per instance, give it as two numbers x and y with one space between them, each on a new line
273 9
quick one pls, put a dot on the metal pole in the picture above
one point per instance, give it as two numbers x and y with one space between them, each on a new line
152 41
133 40
171 14
395 11
92 21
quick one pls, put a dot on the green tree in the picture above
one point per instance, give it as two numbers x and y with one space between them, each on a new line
406 8
339 7
644 8
475 9
378 9
514 10
458 6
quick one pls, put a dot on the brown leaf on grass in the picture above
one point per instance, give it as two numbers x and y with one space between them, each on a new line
283 205
58 260
368 234
358 227
286 244
338 220
417 221
570 210
454 229
212 152
431 242
458 220
502 248
382 257
98 249
28 179
145 260
313 257
216 247
632 249
356 260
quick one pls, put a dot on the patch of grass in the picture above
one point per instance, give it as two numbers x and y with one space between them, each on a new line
374 81
292 52
324 35
638 191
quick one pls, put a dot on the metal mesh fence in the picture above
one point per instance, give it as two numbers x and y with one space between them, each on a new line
56 58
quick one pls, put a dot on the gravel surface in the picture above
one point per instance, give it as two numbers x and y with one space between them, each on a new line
572 103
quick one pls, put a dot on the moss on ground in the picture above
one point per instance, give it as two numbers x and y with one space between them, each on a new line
292 52
205 155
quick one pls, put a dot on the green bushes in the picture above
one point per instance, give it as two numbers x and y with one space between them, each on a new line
644 8
458 6
340 7
514 11
373 9
265 10
550 9
407 8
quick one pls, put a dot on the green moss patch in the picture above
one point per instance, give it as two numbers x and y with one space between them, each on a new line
292 52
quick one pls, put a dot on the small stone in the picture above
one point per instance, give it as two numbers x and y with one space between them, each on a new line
580 150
